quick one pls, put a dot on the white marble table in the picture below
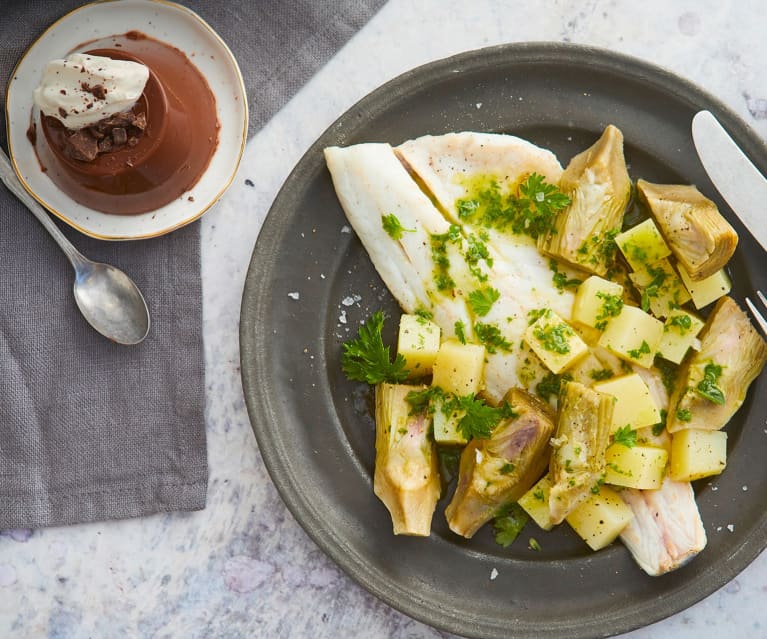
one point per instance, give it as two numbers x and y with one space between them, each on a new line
243 567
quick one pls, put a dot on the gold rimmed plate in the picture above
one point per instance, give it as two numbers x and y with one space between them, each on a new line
174 25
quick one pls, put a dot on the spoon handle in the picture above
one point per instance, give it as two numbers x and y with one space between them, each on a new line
13 183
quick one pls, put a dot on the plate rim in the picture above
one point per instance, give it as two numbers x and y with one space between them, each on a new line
260 406
231 61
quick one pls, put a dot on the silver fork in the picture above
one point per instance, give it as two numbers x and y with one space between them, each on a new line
756 313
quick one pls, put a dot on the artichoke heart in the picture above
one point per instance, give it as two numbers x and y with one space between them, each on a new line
700 238
406 476
599 188
578 461
497 471
713 382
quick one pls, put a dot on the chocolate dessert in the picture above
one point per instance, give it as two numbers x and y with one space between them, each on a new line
142 158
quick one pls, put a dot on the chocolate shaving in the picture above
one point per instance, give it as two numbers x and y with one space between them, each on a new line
62 112
108 134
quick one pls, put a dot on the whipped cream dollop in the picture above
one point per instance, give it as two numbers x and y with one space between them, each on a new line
82 89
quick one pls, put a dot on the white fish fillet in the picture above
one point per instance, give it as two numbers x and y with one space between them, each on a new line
372 182
666 530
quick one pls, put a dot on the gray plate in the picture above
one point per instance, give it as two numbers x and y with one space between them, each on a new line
314 427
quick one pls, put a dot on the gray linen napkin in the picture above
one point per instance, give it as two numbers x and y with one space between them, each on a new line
90 430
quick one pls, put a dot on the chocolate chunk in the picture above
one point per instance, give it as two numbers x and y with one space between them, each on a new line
119 135
132 141
62 112
105 145
96 132
99 91
63 91
81 145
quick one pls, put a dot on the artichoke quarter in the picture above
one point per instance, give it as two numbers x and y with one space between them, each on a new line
599 188
700 238
578 461
497 471
713 382
406 475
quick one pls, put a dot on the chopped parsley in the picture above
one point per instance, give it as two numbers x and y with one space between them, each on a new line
707 387
612 305
534 545
366 359
508 523
554 337
539 494
528 210
601 374
534 315
560 279
658 428
439 242
636 353
683 414
423 314
626 436
682 322
551 385
460 331
491 337
482 300
507 468
668 371
393 226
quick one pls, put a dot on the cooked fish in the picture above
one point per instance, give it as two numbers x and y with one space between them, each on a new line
406 475
600 188
700 238
713 382
499 470
578 461
666 530
371 183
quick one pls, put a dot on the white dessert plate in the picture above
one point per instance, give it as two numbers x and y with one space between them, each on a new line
170 23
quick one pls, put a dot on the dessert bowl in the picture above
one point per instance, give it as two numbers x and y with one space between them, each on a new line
173 25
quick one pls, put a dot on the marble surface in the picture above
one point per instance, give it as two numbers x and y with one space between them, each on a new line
243 566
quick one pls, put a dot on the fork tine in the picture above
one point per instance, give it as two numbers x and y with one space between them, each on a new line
761 296
755 312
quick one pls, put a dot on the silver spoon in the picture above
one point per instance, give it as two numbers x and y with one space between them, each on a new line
108 299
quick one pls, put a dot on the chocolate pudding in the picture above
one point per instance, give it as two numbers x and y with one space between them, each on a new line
144 158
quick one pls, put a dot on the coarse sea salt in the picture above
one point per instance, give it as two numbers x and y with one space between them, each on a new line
294 295
493 574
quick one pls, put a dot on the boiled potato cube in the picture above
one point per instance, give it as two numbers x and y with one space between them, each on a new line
535 502
634 336
458 368
601 518
661 288
697 453
418 343
642 245
706 290
679 334
555 342
591 303
634 405
446 426
636 467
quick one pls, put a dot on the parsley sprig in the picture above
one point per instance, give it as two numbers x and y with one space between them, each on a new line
482 300
393 226
508 523
707 387
626 436
367 359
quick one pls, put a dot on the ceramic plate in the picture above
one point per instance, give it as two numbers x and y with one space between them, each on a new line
311 283
174 25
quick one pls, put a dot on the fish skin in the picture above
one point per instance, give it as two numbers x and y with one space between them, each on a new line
666 530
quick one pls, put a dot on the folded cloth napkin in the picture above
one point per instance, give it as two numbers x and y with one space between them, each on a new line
90 430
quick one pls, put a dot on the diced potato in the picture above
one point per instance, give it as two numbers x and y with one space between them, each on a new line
697 453
589 302
642 245
555 342
660 287
679 334
535 502
418 343
634 336
446 426
707 290
636 467
458 368
601 518
634 404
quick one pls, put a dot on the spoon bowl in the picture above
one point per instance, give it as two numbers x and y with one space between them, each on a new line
108 299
